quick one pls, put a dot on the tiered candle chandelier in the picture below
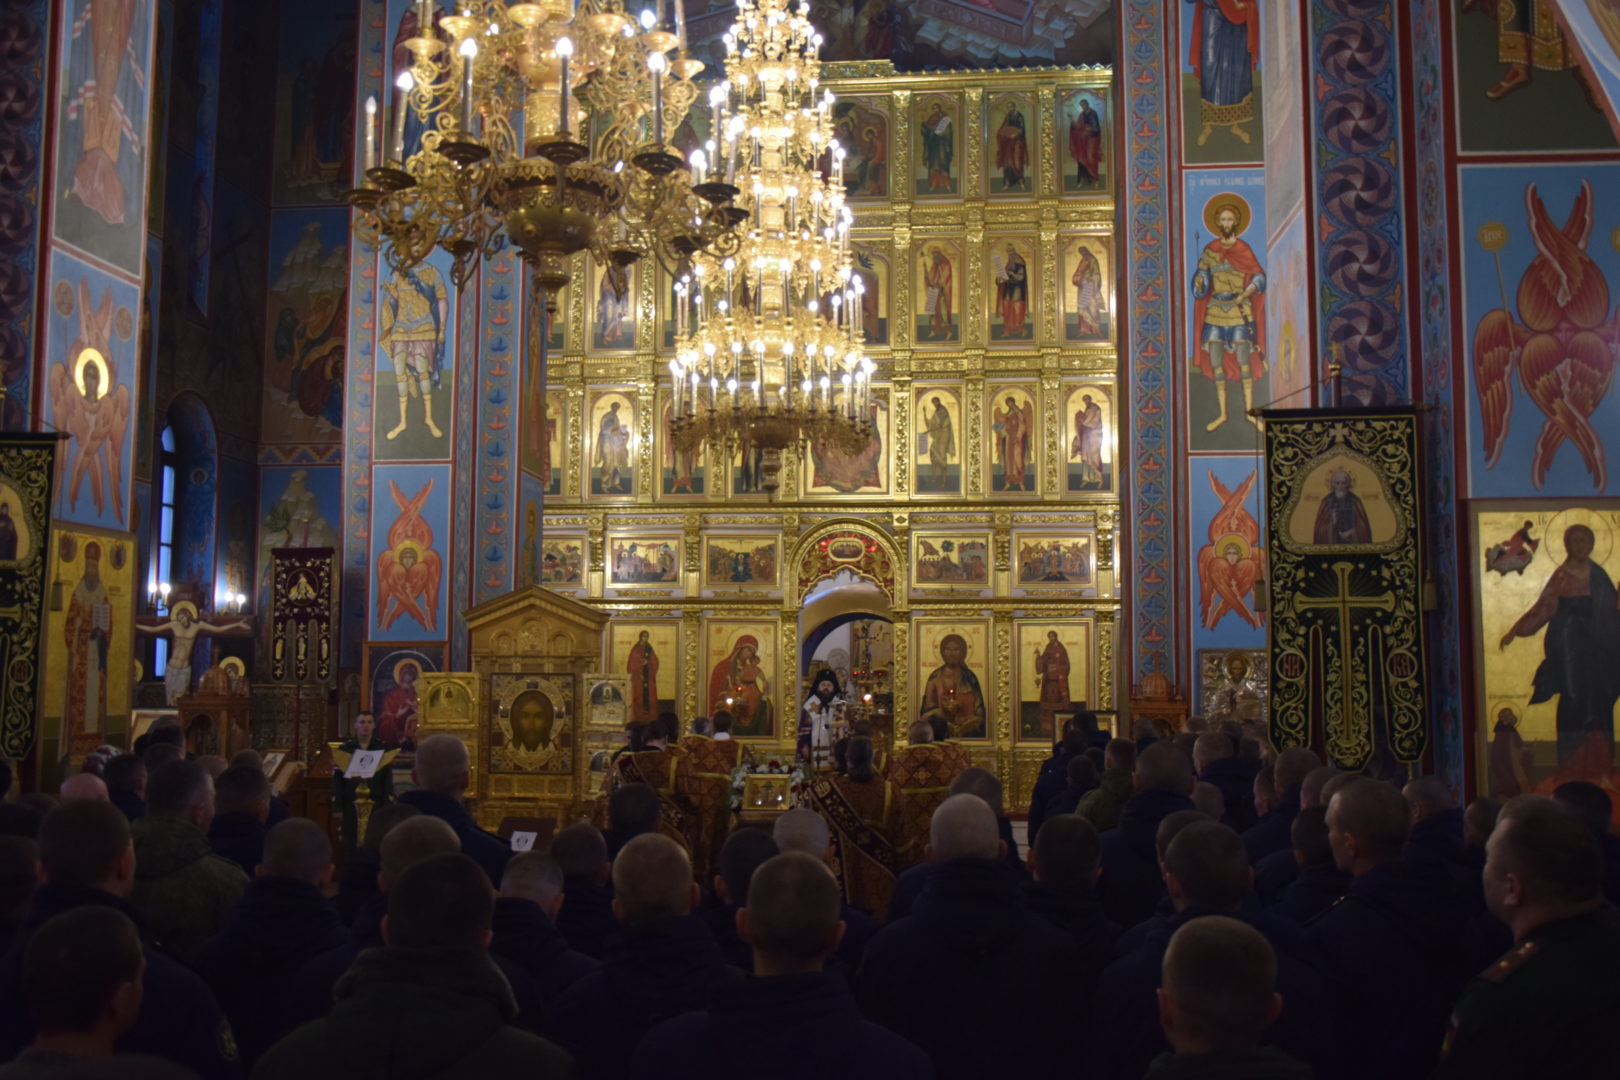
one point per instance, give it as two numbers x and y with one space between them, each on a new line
769 347
547 123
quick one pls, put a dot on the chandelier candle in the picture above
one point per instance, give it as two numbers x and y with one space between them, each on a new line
406 82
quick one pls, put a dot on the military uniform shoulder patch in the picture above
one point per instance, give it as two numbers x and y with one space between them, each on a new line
227 1041
1509 962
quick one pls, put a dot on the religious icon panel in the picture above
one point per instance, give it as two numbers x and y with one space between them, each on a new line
642 560
1220 82
413 396
943 558
532 723
89 639
861 126
649 655
393 672
307 337
613 307
936 156
562 560
871 276
611 427
1012 440
1083 137
1089 443
682 474
1343 503
410 537
1010 160
1054 560
1086 288
741 665
937 294
545 433
1011 289
831 473
1052 673
952 674
936 466
1546 635
741 561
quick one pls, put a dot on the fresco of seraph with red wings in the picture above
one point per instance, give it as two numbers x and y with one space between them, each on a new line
408 569
1232 561
1563 344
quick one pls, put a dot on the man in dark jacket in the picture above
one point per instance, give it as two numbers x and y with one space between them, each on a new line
744 851
427 1004
1065 861
1394 950
586 918
633 811
88 860
1080 779
442 775
241 810
1319 883
125 777
1131 887
1053 777
184 891
1207 873
357 887
525 928
791 1014
1437 838
1216 762
282 922
1595 808
19 877
1218 997
970 938
1270 833
983 783
806 831
1103 805
661 963
1276 871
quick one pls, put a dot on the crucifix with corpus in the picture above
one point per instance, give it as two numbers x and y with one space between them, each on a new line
183 626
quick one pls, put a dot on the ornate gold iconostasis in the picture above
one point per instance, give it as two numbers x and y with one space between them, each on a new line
986 506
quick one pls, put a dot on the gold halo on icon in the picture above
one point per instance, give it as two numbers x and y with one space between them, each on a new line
1228 200
186 606
234 665
1602 533
88 357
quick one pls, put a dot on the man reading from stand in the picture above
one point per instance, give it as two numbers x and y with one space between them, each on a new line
791 1019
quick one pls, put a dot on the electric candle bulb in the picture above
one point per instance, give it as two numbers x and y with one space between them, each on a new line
469 53
406 83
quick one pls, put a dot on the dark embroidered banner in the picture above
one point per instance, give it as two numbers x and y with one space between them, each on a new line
27 471
302 598
1345 524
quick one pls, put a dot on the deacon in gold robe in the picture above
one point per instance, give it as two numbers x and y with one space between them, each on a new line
659 766
703 783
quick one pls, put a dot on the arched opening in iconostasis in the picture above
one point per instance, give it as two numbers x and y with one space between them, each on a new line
846 627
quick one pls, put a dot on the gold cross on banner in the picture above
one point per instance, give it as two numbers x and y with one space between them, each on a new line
1348 701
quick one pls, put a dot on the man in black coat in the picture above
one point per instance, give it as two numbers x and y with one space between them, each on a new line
125 777
241 808
1131 886
89 860
983 783
357 886
525 926
1270 833
1593 805
1053 777
1276 871
1216 762
791 1019
1065 861
1394 950
280 924
1320 882
1080 778
586 918
1218 997
744 851
661 963
970 938
1437 838
1206 873
429 1003
806 831
442 775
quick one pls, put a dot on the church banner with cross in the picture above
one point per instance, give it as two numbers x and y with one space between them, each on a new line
27 469
1347 652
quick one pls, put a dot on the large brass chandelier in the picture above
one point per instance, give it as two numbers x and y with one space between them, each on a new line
543 123
769 346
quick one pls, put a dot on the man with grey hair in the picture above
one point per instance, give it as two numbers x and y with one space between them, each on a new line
969 937
1131 887
806 831
983 783
442 776
794 1013
526 929
83 785
282 923
661 963
183 890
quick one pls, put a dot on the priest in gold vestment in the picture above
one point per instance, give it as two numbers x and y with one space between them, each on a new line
922 775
